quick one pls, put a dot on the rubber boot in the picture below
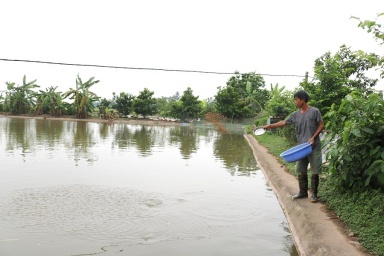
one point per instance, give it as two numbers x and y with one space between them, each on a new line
303 186
315 186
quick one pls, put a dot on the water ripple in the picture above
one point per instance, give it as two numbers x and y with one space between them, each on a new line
122 216
78 211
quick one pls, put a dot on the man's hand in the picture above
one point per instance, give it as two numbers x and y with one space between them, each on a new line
266 127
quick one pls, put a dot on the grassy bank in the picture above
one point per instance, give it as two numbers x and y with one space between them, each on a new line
361 212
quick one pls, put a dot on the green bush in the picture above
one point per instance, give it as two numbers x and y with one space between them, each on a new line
356 155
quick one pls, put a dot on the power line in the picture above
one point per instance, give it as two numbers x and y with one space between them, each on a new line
137 68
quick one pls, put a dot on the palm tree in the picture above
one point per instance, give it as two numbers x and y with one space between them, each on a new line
83 98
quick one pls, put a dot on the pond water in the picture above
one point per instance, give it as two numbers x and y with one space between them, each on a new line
80 188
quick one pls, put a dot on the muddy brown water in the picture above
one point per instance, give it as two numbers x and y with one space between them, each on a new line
83 188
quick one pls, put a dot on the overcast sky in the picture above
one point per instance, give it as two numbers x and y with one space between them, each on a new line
276 37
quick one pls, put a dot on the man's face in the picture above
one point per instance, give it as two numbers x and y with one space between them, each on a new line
298 102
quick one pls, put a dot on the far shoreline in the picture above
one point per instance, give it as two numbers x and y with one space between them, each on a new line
133 121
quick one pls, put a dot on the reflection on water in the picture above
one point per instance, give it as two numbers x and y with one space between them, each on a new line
79 139
80 188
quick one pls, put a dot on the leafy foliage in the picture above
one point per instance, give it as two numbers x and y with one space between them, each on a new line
49 101
230 104
176 109
250 87
244 96
207 105
164 106
373 27
104 108
338 75
20 99
144 104
190 104
83 98
123 103
356 156
281 102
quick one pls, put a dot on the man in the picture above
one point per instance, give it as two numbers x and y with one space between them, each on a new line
308 124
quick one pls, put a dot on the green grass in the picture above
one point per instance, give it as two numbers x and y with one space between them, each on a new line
361 212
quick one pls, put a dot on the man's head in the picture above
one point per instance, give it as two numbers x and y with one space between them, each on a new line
302 95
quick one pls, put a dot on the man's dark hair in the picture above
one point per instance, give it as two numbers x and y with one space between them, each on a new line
303 95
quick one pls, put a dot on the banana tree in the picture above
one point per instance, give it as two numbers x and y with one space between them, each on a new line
103 108
82 97
19 99
49 101
280 102
39 106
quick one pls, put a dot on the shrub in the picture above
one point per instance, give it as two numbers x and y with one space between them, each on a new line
356 155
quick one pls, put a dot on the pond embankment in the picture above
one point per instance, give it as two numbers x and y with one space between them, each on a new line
315 230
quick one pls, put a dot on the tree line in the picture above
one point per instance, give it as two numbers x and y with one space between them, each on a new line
244 96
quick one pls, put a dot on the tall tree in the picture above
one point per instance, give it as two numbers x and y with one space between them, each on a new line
251 89
83 98
336 76
230 104
190 104
123 102
144 104
244 96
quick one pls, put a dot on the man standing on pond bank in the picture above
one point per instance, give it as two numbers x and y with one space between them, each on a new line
308 125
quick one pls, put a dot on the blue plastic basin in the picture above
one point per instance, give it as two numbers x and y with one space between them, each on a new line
297 153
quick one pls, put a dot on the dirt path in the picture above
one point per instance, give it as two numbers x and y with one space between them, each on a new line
314 229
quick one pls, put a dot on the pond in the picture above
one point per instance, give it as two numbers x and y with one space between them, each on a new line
81 188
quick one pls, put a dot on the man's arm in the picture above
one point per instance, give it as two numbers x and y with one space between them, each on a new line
275 125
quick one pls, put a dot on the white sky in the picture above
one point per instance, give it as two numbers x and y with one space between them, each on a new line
276 37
